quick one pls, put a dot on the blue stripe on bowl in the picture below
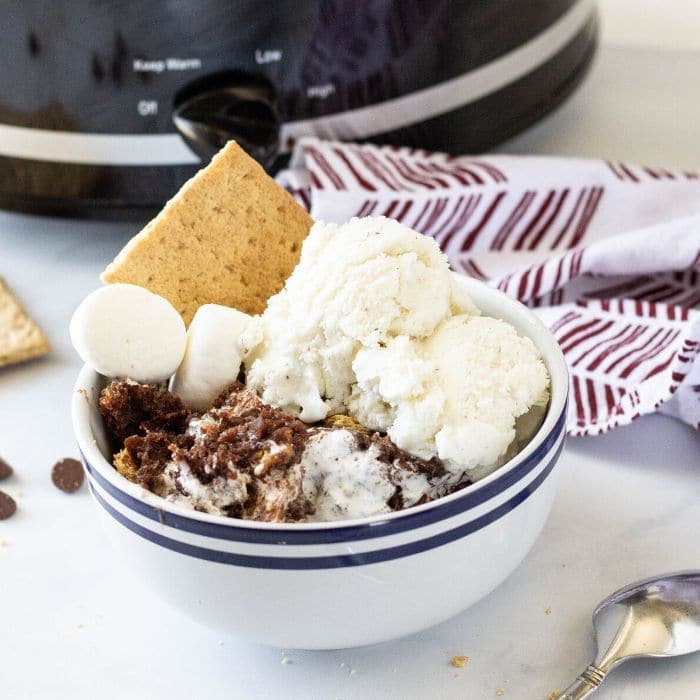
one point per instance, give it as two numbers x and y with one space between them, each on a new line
338 561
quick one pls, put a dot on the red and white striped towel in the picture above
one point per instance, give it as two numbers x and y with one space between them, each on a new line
608 254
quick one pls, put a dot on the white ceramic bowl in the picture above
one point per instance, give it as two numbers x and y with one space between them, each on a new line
334 585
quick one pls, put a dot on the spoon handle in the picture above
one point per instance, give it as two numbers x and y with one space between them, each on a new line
584 685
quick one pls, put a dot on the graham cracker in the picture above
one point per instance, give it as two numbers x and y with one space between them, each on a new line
20 338
340 420
124 464
230 236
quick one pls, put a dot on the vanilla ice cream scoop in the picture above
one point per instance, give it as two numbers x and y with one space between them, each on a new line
212 358
356 285
489 376
123 330
455 395
372 324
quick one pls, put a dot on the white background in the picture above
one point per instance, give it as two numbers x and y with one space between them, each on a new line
74 623
667 24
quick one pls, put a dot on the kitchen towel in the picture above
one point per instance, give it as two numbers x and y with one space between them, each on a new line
606 253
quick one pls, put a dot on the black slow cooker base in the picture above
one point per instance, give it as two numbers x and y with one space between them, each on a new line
138 192
115 189
492 120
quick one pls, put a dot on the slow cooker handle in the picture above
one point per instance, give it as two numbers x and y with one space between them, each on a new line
238 109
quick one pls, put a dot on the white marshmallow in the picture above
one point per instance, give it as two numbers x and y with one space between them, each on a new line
212 356
125 331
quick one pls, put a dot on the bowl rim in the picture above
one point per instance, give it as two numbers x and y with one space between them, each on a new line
500 479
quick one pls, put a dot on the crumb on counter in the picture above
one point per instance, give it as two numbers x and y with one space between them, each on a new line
500 692
67 474
548 611
459 661
6 471
8 506
554 695
286 661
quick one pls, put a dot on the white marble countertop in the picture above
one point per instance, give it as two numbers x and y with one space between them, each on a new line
75 624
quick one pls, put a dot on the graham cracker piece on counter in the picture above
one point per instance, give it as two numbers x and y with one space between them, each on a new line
20 338
230 236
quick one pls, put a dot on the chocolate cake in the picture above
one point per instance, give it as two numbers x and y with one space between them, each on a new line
246 459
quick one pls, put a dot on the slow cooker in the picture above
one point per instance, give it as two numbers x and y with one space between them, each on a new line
106 108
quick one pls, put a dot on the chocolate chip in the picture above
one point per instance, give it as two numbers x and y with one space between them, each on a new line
7 506
5 469
67 474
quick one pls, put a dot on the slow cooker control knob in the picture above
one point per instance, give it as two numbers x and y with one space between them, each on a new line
230 106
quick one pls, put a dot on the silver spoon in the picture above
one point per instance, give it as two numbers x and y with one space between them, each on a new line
659 616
